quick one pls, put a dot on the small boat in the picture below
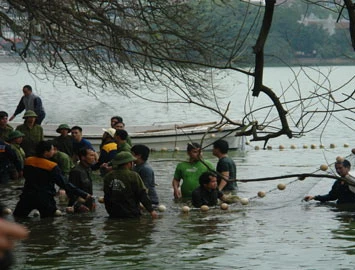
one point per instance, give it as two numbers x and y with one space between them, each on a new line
165 137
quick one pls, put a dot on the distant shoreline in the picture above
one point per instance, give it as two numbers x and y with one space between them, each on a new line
300 61
324 62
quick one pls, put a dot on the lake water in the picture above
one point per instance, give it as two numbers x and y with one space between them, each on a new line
277 231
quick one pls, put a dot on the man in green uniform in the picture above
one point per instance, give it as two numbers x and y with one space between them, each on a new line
33 133
64 161
121 140
5 128
64 141
15 140
124 189
190 171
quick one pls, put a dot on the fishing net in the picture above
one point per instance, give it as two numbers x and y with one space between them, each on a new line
282 192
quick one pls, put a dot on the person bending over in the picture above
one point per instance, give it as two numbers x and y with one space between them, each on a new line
340 190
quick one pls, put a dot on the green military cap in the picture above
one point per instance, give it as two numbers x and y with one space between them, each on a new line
122 158
29 113
15 134
63 126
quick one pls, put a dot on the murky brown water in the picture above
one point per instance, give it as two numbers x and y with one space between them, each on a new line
276 232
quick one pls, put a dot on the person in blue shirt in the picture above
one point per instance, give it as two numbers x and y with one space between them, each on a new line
79 142
143 168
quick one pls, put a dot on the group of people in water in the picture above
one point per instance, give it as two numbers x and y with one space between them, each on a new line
69 161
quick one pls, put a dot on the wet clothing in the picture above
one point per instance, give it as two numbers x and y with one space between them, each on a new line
129 140
65 163
65 144
82 178
226 164
202 196
82 144
190 173
340 191
41 175
146 172
33 103
32 137
4 132
8 159
124 147
107 153
19 153
124 191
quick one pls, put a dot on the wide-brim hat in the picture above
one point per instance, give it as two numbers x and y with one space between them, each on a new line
122 158
29 113
62 126
15 134
110 131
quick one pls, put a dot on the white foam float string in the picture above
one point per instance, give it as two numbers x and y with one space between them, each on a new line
300 177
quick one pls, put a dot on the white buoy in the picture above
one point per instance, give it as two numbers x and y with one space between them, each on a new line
332 145
204 208
176 149
161 208
224 206
305 146
346 145
36 213
101 200
213 135
293 146
256 147
281 147
313 146
7 211
281 186
185 209
244 201
323 167
321 146
339 159
164 149
261 194
58 213
269 147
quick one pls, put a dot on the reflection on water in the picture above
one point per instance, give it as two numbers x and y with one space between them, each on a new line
346 230
278 230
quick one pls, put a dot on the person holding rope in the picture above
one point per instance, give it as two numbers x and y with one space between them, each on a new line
190 171
124 189
340 190
41 175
